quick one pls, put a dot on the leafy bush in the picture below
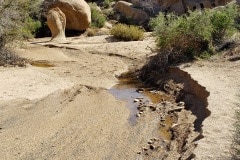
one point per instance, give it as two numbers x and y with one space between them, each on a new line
223 22
185 37
98 19
18 20
15 19
127 33
106 3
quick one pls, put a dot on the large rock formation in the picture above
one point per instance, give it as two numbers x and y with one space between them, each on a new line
178 6
127 10
56 21
78 13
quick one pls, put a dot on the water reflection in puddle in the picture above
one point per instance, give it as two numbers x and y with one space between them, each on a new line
41 63
130 88
128 95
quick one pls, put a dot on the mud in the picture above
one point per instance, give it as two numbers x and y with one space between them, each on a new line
180 121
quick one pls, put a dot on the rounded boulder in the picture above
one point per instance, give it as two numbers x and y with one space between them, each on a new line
77 12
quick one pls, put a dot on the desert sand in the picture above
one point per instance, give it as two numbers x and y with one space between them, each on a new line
66 111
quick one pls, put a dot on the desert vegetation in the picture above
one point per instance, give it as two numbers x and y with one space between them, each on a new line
127 32
18 21
197 34
98 18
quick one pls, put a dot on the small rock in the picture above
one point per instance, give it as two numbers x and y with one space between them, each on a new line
174 125
140 112
141 109
162 125
152 147
136 100
162 119
150 142
145 149
153 108
181 104
138 115
139 152
140 90
153 91
154 139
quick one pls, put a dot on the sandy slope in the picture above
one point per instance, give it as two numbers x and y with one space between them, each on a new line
222 80
66 111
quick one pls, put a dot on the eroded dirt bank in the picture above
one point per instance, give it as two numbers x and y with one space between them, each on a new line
60 108
221 79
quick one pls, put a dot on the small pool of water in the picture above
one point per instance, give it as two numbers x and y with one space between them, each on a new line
130 88
41 63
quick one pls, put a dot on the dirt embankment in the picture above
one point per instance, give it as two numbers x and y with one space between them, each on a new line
63 109
221 79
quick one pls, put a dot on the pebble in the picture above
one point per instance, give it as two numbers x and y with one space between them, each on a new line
174 125
155 139
163 125
136 100
145 149
181 104
138 107
153 91
152 147
150 142
153 108
141 109
140 90
138 115
162 119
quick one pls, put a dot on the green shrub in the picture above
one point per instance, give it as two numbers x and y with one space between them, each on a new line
185 37
98 18
127 33
18 19
223 22
106 3
30 27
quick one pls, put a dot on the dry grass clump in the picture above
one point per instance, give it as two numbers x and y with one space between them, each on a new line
90 32
127 33
236 139
9 58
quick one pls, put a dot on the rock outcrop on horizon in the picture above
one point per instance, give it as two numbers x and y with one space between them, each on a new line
177 6
138 16
56 21
77 12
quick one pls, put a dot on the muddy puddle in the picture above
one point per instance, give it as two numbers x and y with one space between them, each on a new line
41 63
133 91
177 122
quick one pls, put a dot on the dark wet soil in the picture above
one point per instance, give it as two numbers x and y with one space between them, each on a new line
42 63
